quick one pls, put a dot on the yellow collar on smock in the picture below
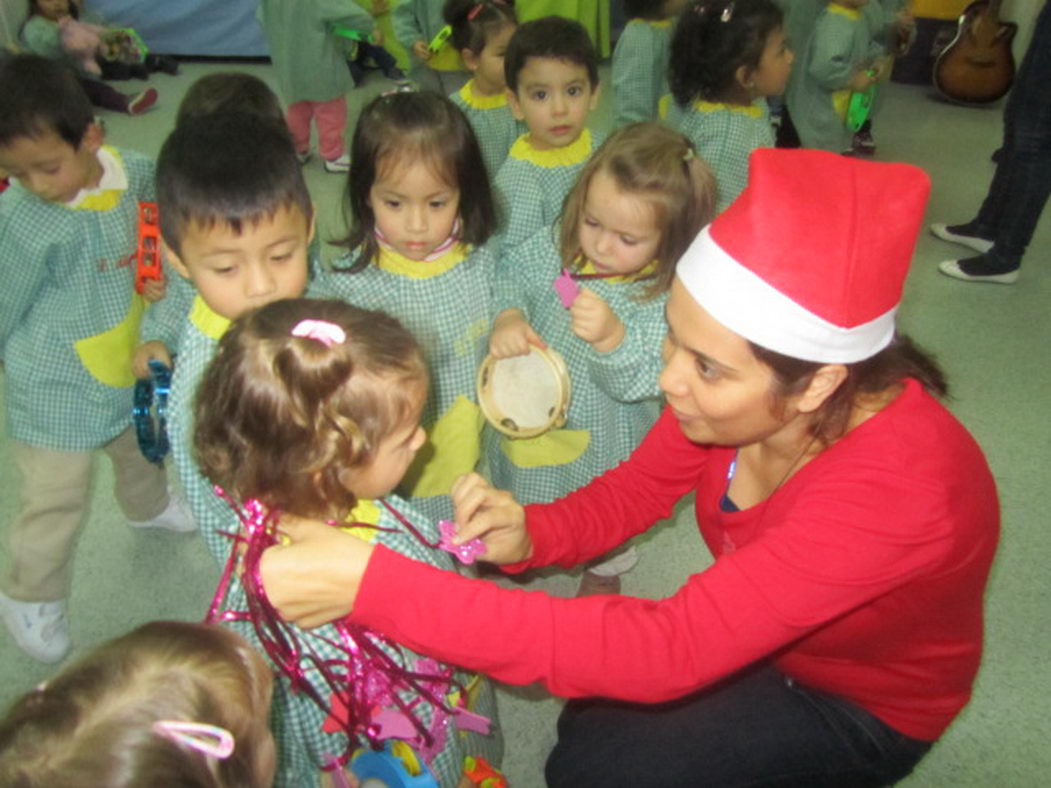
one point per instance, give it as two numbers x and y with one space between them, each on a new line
209 323
399 264
751 110
575 152
110 188
476 100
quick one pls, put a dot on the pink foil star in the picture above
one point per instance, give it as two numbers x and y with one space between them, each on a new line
466 552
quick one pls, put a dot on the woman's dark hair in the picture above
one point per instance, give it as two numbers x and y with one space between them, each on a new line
230 167
713 39
901 359
474 23
399 129
287 419
39 95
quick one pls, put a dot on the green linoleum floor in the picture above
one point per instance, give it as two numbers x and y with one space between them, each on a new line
994 341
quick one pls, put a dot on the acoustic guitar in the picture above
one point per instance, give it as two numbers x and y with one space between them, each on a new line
977 66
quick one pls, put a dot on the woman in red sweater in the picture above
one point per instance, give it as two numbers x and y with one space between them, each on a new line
852 519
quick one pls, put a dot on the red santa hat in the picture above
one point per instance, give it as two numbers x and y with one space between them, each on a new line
810 260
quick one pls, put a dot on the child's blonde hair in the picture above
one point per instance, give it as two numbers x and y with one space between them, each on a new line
94 723
284 419
656 164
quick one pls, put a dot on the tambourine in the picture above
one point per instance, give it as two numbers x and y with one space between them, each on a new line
525 396
150 412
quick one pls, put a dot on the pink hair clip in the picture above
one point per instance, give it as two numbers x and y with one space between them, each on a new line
328 334
213 741
475 11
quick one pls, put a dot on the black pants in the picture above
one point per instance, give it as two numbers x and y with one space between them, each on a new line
759 728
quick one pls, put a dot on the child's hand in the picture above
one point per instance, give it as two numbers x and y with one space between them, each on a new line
376 37
512 335
493 516
419 48
594 321
146 352
153 290
862 79
380 7
314 578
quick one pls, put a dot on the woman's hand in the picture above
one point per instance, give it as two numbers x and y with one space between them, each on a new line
314 578
594 321
492 516
512 335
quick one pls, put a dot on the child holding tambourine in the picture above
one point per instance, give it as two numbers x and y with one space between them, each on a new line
638 203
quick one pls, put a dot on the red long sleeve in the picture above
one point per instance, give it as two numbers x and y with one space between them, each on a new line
864 574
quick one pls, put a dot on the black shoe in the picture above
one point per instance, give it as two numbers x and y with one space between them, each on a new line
357 73
980 269
863 144
963 234
165 63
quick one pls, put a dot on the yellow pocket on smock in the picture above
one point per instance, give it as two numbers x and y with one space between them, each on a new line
841 103
452 449
557 447
107 356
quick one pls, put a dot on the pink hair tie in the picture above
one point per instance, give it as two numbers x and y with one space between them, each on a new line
210 740
328 334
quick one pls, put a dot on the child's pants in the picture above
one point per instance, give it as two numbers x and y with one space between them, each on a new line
331 119
55 490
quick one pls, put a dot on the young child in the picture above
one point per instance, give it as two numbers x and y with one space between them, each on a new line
223 92
891 28
434 64
480 32
313 408
640 59
552 84
421 212
312 75
169 703
69 315
236 221
727 56
639 202
42 35
838 60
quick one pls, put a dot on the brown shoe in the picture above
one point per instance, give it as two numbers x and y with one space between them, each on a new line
595 585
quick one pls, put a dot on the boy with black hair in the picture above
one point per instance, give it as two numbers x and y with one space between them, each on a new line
236 221
69 318
552 84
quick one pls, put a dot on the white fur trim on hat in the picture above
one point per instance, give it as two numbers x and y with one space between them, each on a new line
749 306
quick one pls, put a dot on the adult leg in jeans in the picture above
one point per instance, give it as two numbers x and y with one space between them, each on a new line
1022 182
758 728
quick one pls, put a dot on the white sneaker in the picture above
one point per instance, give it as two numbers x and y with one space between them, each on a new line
175 517
39 628
342 164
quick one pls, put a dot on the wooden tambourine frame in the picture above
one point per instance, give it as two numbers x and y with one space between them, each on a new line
525 396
